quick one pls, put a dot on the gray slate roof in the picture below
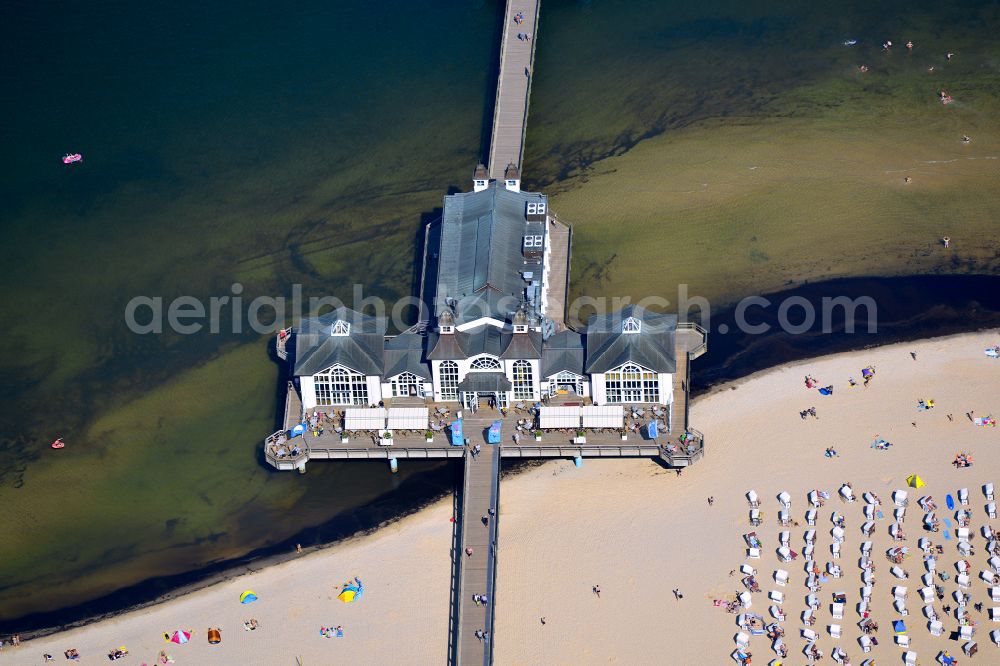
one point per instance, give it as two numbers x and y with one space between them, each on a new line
405 353
563 351
480 256
484 339
653 347
316 350
485 381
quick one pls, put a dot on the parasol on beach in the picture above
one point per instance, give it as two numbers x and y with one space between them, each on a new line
352 591
180 637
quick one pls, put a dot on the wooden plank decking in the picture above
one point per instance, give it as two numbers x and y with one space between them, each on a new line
510 114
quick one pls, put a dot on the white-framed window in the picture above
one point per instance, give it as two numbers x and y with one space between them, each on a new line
448 380
524 385
407 384
631 325
486 363
340 327
566 381
631 383
340 386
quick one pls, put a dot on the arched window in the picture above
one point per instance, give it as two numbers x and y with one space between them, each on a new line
631 325
524 385
631 383
486 363
340 386
407 384
448 380
566 382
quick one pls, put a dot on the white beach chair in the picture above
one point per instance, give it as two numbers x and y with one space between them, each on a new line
869 511
868 528
935 627
753 499
809 635
776 596
784 537
785 554
987 533
835 550
865 642
897 572
910 658
867 577
927 579
745 599
924 544
927 593
965 633
784 518
807 616
838 534
963 496
742 640
808 551
991 510
810 536
902 640
866 547
837 610
862 608
899 497
988 492
995 613
995 594
963 533
753 553
781 577
988 577
899 514
994 563
899 592
963 580
747 570
962 566
965 548
834 570
813 602
931 614
776 613
870 498
929 520
930 564
814 498
755 518
866 592
847 493
970 648
835 631
995 637
900 606
785 499
811 517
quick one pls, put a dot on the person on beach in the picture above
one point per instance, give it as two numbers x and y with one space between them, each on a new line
711 501
597 591
542 619
913 355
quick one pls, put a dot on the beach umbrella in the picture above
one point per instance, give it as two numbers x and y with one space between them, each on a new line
248 597
914 481
180 637
300 429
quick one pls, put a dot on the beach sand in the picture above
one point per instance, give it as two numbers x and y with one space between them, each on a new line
639 531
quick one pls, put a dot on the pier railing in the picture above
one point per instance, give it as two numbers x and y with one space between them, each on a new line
698 349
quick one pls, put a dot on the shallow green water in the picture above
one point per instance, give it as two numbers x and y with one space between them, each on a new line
255 144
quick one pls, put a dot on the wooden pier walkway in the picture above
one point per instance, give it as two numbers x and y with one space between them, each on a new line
476 572
510 113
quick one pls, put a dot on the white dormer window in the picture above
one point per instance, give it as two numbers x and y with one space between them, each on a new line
520 328
447 329
631 325
340 327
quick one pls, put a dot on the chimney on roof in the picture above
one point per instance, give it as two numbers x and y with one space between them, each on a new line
446 322
480 178
512 178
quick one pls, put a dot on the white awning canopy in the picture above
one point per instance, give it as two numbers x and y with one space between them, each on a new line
365 418
408 418
608 416
559 417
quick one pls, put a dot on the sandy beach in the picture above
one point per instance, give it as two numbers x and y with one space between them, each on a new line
639 531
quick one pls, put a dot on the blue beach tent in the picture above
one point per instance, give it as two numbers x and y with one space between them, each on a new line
494 434
457 436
